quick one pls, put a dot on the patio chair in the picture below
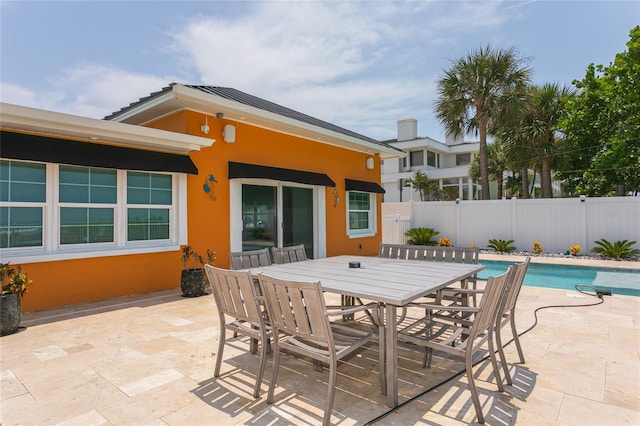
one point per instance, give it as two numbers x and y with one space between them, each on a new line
466 255
250 259
235 294
289 254
300 322
508 314
460 339
505 315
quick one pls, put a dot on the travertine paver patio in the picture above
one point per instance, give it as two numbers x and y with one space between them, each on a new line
148 360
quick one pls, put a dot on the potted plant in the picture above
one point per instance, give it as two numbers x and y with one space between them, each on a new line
14 286
192 280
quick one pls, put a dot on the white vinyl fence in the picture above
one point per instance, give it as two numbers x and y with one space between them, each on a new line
556 223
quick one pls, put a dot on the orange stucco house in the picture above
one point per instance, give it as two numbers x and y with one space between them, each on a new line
95 209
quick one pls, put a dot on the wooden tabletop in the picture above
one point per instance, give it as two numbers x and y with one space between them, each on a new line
392 281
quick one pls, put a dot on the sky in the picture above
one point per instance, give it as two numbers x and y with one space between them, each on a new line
358 64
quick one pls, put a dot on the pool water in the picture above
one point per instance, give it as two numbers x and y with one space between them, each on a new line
618 281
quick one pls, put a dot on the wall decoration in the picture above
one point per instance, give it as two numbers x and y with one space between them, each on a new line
210 186
336 199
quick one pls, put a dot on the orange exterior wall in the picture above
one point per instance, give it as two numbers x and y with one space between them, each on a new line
209 220
59 283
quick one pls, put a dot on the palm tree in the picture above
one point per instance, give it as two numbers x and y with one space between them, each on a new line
480 89
535 130
421 183
496 165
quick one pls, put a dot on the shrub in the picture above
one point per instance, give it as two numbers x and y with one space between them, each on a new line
537 247
575 249
617 250
445 242
421 236
13 280
502 245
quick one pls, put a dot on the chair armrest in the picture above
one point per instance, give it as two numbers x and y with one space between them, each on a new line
436 307
346 310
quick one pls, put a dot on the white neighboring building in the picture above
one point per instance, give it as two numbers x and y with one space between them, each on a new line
448 163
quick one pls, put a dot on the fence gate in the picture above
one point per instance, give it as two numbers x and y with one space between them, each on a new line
394 228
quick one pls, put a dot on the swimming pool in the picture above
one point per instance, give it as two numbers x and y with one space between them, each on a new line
618 281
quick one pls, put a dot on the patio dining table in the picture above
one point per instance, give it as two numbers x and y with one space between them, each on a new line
392 283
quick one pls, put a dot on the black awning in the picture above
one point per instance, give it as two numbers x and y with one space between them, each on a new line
20 146
360 185
242 170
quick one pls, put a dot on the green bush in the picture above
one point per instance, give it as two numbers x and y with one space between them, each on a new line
502 245
617 250
421 236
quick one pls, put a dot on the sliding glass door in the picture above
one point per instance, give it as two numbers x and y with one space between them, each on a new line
277 215
297 218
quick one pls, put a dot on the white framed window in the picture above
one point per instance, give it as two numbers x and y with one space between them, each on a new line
433 159
88 200
416 158
22 204
55 212
149 202
361 214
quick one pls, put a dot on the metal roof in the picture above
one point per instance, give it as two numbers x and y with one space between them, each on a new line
234 95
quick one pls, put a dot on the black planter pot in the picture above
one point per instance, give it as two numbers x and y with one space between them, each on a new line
193 283
10 313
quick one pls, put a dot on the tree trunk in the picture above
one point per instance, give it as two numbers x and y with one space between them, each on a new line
546 191
500 187
524 174
484 165
533 184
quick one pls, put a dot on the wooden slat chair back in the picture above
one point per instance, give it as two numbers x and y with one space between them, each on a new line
466 255
289 254
299 317
250 259
239 310
463 340
507 314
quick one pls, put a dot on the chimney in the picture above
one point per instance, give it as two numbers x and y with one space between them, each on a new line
407 128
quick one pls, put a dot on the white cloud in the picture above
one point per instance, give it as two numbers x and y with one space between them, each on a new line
88 90
359 65
97 90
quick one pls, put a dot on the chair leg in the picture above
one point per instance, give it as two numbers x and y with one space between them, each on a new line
494 362
331 392
221 342
276 364
427 357
472 387
515 337
503 358
262 362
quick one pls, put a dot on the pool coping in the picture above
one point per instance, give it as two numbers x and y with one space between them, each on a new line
563 261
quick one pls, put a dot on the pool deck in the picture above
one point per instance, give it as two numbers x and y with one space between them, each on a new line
148 360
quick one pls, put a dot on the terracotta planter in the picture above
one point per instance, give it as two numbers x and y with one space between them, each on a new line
10 313
193 283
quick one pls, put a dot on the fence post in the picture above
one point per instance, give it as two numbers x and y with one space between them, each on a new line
514 219
457 220
583 223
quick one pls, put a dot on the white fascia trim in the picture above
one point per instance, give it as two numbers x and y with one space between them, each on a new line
323 135
27 119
